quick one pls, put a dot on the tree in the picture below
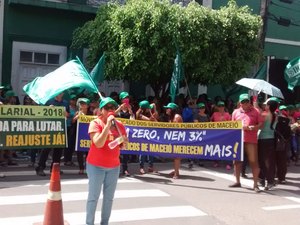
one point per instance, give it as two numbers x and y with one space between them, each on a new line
140 38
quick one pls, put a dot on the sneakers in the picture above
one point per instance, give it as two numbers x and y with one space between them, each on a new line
262 182
40 172
235 185
270 187
281 181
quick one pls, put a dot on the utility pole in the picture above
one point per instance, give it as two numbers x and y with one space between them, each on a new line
264 8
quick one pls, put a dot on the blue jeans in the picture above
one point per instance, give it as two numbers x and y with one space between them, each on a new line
98 176
143 159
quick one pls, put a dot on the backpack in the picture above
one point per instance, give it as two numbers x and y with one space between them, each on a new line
283 129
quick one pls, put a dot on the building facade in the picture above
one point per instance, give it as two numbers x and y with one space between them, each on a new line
36 36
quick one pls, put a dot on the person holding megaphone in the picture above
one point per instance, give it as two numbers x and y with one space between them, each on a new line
108 136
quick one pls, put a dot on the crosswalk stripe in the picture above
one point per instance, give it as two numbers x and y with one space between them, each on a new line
230 177
120 215
270 208
294 199
76 196
75 182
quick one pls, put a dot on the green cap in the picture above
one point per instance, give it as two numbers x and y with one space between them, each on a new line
73 96
273 99
290 107
123 95
145 105
171 105
84 100
10 93
220 103
282 107
201 105
107 100
244 97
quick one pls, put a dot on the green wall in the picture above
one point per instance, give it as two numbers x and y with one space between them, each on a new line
26 23
253 4
276 9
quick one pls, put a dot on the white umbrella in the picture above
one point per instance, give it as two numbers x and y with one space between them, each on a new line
260 86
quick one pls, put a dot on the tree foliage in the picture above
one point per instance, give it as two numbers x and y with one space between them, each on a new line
140 39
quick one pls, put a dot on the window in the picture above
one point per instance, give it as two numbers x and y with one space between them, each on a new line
39 58
53 59
26 56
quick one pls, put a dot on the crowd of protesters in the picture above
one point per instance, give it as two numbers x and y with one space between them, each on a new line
268 149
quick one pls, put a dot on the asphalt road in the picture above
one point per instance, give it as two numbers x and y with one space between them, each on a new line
200 196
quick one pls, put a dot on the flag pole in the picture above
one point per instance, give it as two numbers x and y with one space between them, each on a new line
90 78
188 89
267 75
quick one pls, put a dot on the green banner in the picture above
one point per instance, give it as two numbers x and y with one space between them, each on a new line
27 127
292 73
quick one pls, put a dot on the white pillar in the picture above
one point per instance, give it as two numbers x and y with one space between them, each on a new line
1 35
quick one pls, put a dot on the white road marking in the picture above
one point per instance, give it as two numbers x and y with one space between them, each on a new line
280 207
121 215
230 177
76 196
249 183
85 181
73 182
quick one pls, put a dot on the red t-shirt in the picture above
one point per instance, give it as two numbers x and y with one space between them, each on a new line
249 118
217 117
104 157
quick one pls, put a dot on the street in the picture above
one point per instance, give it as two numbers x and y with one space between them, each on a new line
200 196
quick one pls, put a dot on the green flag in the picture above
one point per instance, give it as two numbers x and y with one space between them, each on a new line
71 74
292 73
97 72
177 76
262 72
